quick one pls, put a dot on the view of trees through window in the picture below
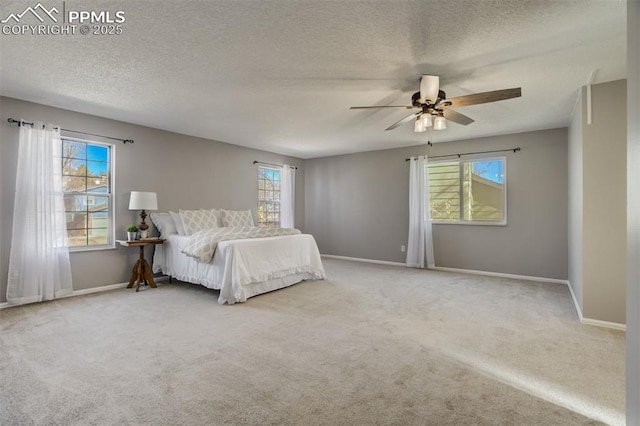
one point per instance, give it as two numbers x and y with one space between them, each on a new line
268 197
87 192
471 190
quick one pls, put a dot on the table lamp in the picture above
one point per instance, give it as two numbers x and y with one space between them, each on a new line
143 201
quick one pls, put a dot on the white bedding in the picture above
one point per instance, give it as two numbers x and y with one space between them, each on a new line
243 268
202 244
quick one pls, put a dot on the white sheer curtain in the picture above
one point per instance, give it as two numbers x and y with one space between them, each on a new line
420 245
39 267
287 197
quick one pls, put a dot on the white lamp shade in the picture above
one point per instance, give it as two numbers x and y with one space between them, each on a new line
425 119
418 127
439 123
143 201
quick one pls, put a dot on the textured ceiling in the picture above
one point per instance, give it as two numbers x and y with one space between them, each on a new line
281 75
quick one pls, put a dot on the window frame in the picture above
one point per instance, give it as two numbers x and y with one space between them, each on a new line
461 162
111 234
279 222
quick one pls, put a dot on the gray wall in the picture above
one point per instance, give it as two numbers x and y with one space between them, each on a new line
597 203
604 156
186 172
633 218
575 202
357 206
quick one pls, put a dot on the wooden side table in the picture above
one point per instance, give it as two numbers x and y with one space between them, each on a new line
141 271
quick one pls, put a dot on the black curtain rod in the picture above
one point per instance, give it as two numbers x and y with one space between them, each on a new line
20 123
471 153
272 164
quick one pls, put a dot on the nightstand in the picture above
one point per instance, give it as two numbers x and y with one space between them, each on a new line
141 271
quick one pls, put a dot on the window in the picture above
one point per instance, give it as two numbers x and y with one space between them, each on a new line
472 191
268 197
87 179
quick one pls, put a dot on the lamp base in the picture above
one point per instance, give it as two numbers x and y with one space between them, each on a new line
144 228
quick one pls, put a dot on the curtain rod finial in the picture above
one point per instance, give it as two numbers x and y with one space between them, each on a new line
125 141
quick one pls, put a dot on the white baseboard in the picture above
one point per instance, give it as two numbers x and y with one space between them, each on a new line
91 290
96 289
575 302
590 321
462 271
583 320
501 275
605 324
108 287
359 259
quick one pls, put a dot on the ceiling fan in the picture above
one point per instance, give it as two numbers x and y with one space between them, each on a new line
433 109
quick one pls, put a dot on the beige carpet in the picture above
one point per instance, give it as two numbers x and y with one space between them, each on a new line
371 345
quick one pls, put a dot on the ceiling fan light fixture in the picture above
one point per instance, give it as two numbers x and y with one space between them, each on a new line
419 127
430 104
426 121
429 88
439 123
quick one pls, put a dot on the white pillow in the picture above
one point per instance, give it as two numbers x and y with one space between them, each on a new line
197 220
237 218
177 221
164 223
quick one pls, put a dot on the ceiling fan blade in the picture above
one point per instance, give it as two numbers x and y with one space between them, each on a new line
404 120
456 117
429 87
484 97
383 106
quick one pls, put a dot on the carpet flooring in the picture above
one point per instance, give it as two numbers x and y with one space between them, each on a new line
371 345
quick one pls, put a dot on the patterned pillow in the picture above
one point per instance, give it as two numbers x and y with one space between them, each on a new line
177 221
218 213
164 223
237 218
197 220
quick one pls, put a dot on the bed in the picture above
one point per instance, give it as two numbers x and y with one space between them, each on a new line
243 268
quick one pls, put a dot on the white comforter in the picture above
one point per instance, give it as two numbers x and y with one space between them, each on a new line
202 244
241 269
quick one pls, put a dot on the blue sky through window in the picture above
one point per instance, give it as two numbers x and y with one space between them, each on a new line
86 158
98 157
97 153
492 170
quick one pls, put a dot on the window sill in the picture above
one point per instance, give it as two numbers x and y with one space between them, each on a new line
94 248
475 223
